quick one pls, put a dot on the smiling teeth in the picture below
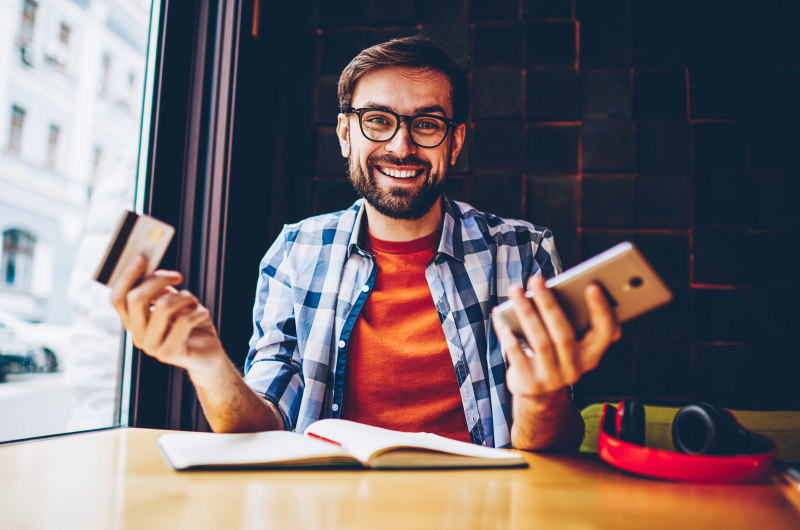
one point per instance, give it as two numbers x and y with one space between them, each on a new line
399 174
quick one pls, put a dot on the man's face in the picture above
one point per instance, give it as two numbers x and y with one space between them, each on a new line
398 178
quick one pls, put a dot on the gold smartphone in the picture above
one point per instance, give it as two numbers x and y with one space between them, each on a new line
629 282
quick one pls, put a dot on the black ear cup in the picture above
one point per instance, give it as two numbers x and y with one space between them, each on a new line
632 422
703 429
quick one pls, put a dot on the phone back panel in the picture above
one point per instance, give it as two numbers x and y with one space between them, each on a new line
631 284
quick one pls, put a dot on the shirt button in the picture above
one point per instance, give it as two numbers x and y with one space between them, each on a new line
335 407
341 344
365 288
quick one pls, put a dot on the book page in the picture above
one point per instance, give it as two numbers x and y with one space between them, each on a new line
186 450
365 442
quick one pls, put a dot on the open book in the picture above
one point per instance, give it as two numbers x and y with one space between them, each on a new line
329 443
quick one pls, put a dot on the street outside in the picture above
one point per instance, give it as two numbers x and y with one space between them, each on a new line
34 405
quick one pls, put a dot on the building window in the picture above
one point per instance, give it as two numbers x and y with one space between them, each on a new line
58 51
15 138
63 36
28 20
105 77
97 160
17 261
52 147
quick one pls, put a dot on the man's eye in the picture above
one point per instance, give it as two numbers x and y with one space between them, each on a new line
427 125
378 121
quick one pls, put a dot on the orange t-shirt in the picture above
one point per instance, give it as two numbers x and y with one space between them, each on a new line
399 374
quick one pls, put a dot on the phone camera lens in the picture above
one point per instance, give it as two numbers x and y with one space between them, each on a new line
636 282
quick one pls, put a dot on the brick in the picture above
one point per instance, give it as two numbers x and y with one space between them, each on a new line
668 253
718 38
774 39
327 107
497 92
781 256
607 200
300 199
663 146
344 13
551 44
718 92
329 153
442 11
663 371
609 144
605 42
719 256
493 9
724 374
547 8
596 240
773 93
723 315
497 193
453 36
552 94
723 199
457 189
659 93
606 93
551 201
777 311
499 145
332 195
611 380
594 9
396 11
663 200
566 241
498 45
773 144
720 146
660 32
776 200
671 322
339 47
553 149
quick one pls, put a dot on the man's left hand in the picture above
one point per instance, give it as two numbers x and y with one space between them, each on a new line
557 358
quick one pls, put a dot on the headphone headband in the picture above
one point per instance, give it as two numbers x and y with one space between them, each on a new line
671 465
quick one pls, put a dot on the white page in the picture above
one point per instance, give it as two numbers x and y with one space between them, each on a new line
195 449
363 441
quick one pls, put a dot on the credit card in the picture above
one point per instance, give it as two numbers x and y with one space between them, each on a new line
135 234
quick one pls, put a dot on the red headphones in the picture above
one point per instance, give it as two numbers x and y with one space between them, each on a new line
713 447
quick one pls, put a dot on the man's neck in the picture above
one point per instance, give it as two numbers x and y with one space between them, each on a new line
388 229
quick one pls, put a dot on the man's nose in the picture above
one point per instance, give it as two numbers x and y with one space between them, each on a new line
401 145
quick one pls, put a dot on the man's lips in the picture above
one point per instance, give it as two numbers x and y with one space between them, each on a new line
398 172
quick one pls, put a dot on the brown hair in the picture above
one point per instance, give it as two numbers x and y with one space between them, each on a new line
410 52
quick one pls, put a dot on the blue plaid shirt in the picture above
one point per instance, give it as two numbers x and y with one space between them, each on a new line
315 279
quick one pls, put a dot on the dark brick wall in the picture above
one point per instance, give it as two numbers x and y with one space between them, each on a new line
667 123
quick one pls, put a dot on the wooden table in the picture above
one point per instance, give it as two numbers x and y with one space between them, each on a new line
118 480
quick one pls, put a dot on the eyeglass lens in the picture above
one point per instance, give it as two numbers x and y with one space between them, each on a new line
424 130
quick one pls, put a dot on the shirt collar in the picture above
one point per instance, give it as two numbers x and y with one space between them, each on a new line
450 243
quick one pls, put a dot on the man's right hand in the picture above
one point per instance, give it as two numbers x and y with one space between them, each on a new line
165 323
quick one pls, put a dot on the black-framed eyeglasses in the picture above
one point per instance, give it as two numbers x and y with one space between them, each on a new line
381 125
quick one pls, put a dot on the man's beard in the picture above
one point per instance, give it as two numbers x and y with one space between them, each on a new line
398 202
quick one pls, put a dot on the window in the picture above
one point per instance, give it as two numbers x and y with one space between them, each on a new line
105 76
53 231
15 137
28 20
52 147
17 261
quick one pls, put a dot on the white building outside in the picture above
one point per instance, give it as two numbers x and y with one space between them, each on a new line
71 85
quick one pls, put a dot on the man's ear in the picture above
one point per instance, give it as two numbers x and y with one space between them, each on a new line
459 136
343 132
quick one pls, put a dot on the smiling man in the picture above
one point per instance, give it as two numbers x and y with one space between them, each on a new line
381 313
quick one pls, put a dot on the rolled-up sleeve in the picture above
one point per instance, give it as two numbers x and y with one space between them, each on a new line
274 365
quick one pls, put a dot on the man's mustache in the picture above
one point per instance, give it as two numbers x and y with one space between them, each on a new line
388 160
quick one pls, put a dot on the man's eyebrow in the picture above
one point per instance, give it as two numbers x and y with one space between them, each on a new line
419 110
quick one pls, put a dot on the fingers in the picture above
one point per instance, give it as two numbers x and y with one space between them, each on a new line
604 328
558 326
182 327
535 332
165 310
140 298
511 345
125 283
